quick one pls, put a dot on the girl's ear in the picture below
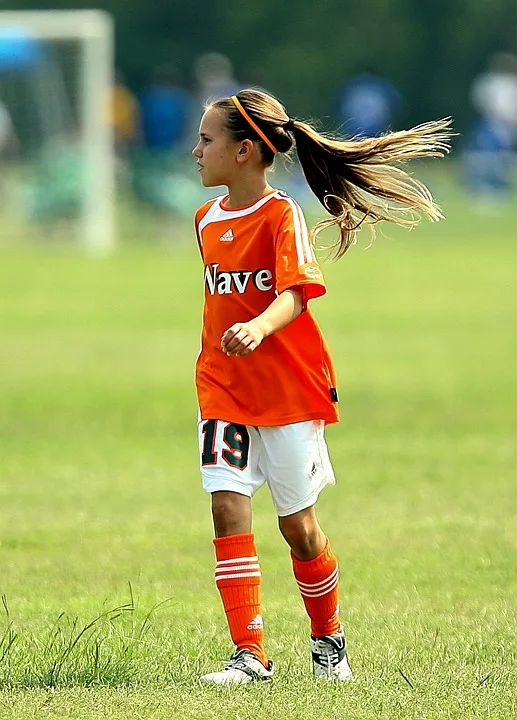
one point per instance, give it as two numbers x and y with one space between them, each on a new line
245 151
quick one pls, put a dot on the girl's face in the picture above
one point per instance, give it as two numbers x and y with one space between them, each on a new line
216 152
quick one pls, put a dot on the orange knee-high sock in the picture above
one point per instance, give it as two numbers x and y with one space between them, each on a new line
238 576
318 582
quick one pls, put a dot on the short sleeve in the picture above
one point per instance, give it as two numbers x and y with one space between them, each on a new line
296 264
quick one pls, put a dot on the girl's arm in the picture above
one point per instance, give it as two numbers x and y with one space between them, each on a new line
243 338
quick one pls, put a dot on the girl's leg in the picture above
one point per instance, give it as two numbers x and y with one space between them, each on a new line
315 568
237 573
231 513
298 468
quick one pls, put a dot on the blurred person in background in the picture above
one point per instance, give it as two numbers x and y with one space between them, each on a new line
124 114
215 77
368 104
124 117
8 137
492 140
167 111
265 378
8 146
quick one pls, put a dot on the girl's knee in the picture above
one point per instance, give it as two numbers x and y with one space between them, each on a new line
303 534
231 513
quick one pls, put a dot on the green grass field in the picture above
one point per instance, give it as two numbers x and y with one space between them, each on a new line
101 506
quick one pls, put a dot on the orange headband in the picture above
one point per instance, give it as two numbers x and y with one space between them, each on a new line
254 125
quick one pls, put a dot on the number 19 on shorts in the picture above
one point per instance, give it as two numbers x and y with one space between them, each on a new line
236 444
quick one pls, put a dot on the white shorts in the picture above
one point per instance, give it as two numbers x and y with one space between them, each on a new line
292 459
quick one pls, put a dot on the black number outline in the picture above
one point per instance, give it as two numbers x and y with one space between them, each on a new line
209 430
236 438
228 455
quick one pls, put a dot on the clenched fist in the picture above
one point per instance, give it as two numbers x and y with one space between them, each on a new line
242 338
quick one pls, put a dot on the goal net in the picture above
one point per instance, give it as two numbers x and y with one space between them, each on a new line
56 149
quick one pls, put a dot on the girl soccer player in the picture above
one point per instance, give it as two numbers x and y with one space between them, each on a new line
265 378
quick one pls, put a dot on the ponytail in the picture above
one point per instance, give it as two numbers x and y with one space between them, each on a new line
358 181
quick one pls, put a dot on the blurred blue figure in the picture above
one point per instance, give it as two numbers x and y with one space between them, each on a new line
492 140
367 105
166 110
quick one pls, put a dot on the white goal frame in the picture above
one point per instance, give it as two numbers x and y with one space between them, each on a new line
94 30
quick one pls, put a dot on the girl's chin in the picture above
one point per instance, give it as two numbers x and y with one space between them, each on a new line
208 183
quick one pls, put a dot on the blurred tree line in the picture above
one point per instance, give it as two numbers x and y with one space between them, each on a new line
302 50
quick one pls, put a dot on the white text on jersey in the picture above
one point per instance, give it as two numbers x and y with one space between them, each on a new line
225 283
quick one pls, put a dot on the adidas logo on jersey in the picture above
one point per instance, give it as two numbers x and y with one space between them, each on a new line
227 236
256 623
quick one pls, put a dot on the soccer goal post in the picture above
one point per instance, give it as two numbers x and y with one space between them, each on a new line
57 69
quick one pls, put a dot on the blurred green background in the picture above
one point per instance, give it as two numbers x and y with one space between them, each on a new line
302 50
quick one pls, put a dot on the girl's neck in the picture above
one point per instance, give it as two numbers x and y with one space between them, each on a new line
246 193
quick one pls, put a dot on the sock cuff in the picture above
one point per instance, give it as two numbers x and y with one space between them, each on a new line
235 546
303 567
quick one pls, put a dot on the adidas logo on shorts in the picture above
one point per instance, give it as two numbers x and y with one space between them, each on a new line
227 236
256 623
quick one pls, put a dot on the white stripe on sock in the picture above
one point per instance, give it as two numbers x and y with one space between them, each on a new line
319 593
232 568
314 586
237 575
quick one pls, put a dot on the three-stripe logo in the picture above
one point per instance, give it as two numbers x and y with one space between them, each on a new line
227 236
314 590
257 623
243 567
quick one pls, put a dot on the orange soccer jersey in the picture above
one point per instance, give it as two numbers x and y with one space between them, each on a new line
250 255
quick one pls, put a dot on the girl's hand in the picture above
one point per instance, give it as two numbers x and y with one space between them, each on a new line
242 338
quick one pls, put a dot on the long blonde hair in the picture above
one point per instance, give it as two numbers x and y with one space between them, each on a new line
358 180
